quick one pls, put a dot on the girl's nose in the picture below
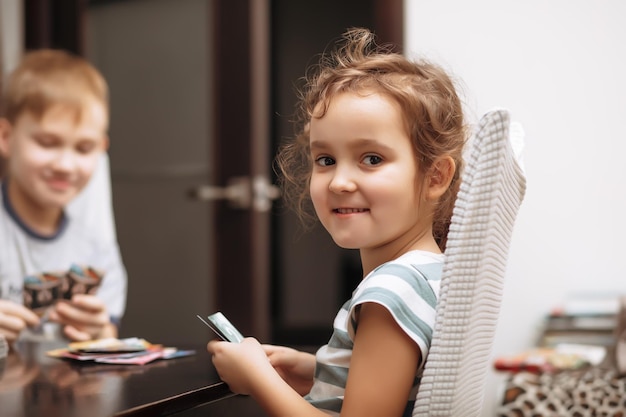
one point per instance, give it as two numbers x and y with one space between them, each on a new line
343 181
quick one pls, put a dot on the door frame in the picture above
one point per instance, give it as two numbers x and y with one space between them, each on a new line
241 147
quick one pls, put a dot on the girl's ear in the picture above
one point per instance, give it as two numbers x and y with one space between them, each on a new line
439 178
5 133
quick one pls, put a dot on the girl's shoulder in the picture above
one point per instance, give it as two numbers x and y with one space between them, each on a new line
414 272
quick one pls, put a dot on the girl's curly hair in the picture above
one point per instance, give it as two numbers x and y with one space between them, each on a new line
431 109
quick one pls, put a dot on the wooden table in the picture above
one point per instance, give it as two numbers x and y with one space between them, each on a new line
32 384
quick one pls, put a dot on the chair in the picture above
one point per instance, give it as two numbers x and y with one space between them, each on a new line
492 188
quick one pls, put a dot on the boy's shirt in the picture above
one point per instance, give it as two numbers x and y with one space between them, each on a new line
23 253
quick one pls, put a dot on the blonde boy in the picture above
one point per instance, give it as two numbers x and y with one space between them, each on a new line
53 132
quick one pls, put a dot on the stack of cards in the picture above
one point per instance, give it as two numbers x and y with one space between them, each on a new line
129 351
223 327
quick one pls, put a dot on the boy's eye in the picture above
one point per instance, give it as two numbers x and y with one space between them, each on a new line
46 141
86 147
372 160
324 161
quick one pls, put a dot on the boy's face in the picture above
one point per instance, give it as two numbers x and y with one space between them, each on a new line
51 160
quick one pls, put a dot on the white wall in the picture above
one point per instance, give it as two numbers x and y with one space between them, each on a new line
559 67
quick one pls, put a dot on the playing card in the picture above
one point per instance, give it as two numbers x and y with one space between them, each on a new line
81 280
42 290
223 327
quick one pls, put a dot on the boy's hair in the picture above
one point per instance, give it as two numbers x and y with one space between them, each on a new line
46 78
431 109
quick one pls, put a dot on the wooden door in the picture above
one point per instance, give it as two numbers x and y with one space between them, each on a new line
242 114
189 109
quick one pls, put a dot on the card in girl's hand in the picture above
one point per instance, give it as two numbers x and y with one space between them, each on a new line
223 327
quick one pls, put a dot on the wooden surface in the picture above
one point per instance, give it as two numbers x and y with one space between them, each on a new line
32 384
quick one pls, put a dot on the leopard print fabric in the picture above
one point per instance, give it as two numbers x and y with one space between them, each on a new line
590 392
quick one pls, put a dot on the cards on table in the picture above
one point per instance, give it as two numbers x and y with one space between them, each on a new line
222 327
129 351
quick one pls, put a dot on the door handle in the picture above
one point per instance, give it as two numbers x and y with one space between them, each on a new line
241 193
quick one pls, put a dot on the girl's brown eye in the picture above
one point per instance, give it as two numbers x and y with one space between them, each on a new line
324 161
372 160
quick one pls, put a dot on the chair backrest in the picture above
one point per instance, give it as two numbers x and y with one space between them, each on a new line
492 189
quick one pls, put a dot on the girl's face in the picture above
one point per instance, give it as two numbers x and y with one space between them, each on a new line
365 185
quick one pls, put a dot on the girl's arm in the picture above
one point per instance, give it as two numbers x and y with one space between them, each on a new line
382 368
381 374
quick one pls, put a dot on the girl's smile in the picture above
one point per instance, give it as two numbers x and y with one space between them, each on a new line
349 210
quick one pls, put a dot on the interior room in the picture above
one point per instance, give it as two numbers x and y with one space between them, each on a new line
202 94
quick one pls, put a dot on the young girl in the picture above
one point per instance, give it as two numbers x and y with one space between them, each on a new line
379 157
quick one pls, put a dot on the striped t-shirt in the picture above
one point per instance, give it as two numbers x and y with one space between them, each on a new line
408 287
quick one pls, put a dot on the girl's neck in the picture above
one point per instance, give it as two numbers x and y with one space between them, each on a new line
372 258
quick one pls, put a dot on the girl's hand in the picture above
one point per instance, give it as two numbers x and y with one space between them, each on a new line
14 318
243 366
295 367
85 317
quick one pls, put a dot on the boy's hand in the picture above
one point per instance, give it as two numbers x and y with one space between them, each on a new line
85 317
14 318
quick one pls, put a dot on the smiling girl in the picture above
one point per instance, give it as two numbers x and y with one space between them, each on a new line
378 156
